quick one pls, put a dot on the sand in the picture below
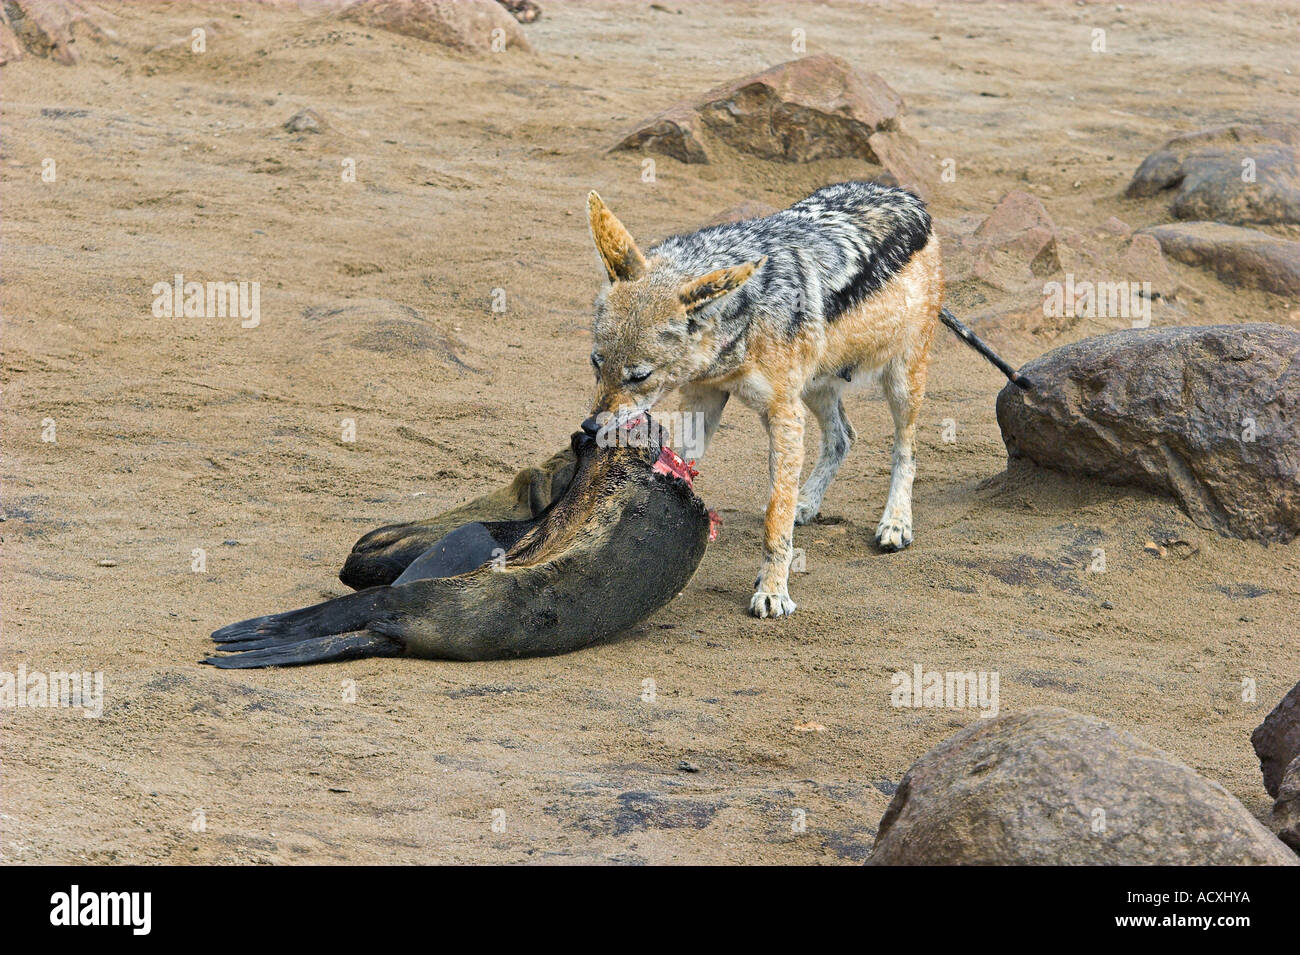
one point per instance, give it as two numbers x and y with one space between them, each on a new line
177 434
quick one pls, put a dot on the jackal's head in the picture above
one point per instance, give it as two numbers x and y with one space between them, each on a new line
653 329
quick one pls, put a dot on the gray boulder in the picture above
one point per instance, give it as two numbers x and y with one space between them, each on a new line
1277 740
1238 174
1237 256
1209 415
305 121
1048 786
1286 811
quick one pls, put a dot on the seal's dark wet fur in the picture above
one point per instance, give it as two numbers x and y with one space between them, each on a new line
617 544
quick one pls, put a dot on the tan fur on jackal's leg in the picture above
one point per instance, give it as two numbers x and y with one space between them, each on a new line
837 437
904 388
785 427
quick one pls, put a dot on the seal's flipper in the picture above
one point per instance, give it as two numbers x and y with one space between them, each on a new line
466 548
279 639
336 646
333 630
380 556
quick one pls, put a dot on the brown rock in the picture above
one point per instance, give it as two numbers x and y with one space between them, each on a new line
1050 787
1016 243
10 48
1207 171
1277 740
525 11
1142 261
903 158
677 132
1286 811
1237 256
49 28
1209 415
305 121
465 25
817 107
1116 226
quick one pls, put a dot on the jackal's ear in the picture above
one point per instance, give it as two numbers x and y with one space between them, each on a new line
623 260
701 291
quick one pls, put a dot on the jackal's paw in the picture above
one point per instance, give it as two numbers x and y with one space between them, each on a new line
767 604
893 534
806 511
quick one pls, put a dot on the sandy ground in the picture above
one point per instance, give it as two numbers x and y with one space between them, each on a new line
176 434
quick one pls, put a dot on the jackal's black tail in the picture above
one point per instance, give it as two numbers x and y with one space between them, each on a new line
975 342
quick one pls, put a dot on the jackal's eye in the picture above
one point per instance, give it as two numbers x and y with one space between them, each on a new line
636 377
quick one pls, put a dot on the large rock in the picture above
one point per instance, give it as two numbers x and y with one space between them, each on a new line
1286 811
525 11
1277 740
1237 174
1210 415
1050 787
817 107
49 28
1237 256
10 48
1017 243
465 25
1018 246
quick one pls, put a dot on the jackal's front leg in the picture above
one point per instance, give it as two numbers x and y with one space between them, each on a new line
785 424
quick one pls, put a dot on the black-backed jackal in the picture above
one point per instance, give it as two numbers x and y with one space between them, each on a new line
783 312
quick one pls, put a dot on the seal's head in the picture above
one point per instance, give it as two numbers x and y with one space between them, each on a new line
607 430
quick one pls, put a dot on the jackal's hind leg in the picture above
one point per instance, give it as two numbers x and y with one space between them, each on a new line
904 388
837 438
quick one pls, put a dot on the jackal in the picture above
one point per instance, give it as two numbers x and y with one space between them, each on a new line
783 312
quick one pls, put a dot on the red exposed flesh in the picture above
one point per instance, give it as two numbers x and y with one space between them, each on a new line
671 464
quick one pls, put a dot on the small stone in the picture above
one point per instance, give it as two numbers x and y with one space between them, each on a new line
687 766
105 562
1107 605
305 121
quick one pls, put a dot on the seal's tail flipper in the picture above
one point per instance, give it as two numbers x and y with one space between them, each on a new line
975 342
333 630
